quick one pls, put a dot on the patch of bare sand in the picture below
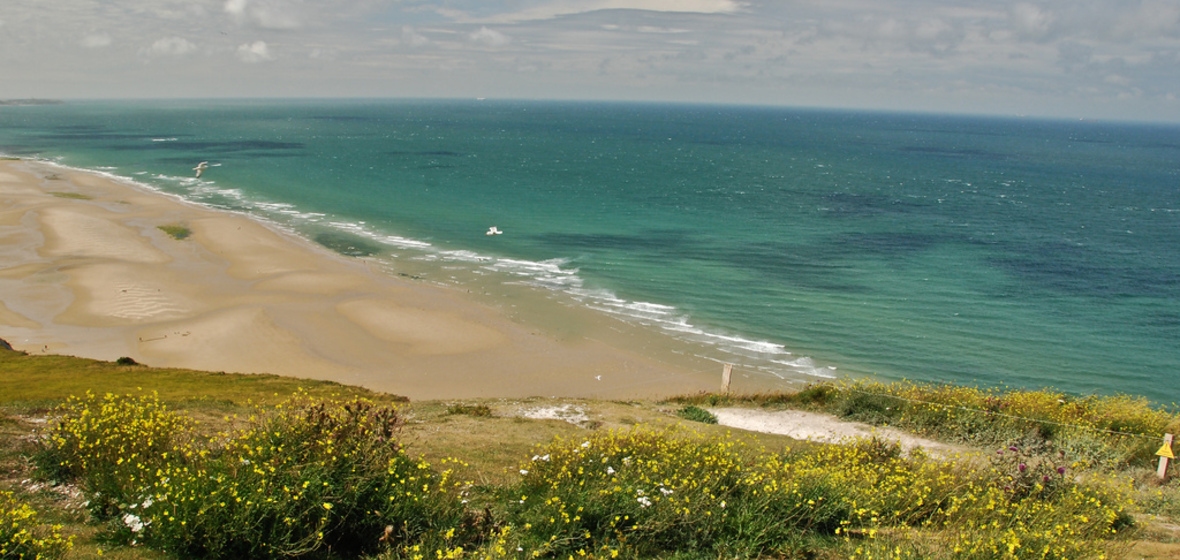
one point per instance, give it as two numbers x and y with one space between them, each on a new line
128 292
72 233
236 339
823 428
420 331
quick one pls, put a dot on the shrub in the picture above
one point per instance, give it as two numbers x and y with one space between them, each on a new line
478 410
697 414
126 361
23 537
112 445
311 479
647 493
308 479
643 493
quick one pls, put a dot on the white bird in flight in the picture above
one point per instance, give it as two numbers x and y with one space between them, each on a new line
493 231
200 168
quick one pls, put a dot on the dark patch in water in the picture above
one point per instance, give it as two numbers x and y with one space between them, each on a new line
1076 271
800 265
348 245
659 241
439 153
340 118
860 205
954 152
92 135
19 150
878 244
217 147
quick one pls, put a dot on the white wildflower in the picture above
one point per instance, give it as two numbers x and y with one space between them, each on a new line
133 522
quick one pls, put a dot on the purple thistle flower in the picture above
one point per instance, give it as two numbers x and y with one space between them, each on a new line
1022 467
1046 478
1013 449
1060 470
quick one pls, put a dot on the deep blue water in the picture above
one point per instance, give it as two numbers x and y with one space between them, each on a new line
794 243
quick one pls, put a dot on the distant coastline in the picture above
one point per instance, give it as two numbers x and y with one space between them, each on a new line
18 102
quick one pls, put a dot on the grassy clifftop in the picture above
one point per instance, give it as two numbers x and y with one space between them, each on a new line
174 463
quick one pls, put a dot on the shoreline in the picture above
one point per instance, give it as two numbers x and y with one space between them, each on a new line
85 270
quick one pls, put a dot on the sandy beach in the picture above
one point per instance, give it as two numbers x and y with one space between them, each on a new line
85 270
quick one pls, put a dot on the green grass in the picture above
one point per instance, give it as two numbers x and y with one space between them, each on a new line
43 381
697 414
176 231
720 494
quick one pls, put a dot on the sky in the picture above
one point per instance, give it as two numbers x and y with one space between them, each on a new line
1088 59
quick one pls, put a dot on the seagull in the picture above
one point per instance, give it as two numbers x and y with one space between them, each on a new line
491 231
200 168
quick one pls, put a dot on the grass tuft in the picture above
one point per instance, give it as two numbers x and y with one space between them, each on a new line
176 231
477 410
697 414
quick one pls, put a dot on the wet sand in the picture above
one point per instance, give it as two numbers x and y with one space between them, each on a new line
85 270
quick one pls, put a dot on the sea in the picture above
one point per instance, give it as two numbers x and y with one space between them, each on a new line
800 245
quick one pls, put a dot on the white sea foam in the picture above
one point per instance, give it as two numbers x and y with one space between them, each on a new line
164 139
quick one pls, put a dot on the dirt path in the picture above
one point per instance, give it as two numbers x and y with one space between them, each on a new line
812 426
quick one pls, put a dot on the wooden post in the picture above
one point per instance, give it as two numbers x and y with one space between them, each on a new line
726 374
1165 454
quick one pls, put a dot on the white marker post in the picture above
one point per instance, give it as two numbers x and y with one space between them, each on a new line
726 374
1165 454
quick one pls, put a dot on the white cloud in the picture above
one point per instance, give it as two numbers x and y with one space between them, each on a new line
254 52
171 46
412 38
489 37
1154 17
235 7
268 14
96 40
550 10
1030 21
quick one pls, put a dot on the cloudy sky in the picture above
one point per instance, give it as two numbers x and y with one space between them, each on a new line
1069 58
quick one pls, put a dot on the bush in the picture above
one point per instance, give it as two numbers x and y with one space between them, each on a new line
478 410
697 414
23 537
641 494
656 493
308 479
112 446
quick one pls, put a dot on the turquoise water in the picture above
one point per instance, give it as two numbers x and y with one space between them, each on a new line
798 244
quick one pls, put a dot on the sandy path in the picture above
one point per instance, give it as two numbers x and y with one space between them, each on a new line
823 428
